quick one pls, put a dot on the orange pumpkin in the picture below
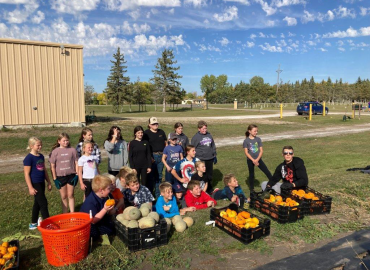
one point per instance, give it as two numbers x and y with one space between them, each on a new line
110 202
244 214
278 198
315 198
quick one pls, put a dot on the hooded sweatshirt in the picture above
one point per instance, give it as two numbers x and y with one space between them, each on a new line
205 147
293 172
117 154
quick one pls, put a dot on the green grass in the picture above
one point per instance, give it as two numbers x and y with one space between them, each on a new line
326 160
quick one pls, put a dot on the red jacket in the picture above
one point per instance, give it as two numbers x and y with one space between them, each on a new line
198 202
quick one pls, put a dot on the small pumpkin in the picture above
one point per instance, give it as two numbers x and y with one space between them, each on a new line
8 256
12 249
5 244
3 250
2 261
110 202
244 214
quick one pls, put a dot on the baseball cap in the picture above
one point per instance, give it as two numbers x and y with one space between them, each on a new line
153 120
177 188
172 136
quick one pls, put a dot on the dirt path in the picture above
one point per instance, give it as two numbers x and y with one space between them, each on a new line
14 163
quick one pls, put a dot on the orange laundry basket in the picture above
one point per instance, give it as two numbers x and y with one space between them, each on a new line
66 238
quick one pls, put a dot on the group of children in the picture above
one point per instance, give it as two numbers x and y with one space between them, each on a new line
188 175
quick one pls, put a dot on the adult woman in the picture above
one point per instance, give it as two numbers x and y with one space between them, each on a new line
116 147
139 156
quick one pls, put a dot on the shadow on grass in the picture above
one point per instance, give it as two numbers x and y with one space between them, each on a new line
30 257
217 177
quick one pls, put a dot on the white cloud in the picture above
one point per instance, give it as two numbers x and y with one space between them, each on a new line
38 18
139 29
327 44
230 14
196 3
282 3
307 17
171 11
74 7
350 32
20 15
121 5
311 43
323 50
281 43
330 15
282 35
252 36
270 23
3 29
261 35
343 12
243 2
250 44
224 42
127 29
340 43
290 21
266 8
15 2
364 11
203 48
206 22
342 49
270 48
135 14
291 34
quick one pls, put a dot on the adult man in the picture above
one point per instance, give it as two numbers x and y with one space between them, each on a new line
292 171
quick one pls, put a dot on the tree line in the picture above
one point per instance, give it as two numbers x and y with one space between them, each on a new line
164 87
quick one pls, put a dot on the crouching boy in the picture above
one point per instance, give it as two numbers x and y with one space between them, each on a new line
136 194
166 205
198 198
95 201
232 190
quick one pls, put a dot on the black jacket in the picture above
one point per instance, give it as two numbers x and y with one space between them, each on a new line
294 172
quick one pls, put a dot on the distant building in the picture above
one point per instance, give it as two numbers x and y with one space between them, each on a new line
41 83
193 101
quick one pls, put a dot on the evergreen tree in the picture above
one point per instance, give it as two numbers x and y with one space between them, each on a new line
117 83
166 78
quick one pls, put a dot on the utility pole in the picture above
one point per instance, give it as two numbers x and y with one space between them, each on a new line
278 81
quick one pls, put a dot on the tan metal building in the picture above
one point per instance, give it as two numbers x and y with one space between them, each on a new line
41 83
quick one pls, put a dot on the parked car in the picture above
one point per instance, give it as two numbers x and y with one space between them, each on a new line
304 108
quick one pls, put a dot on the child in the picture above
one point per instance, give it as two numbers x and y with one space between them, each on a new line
87 135
185 168
166 205
117 195
136 194
35 176
253 150
87 167
182 139
63 161
206 150
232 190
116 147
172 153
140 156
200 175
101 223
121 177
179 192
198 198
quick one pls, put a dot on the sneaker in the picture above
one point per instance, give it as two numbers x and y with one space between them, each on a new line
214 191
32 226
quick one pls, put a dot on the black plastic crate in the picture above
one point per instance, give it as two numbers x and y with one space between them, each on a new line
314 207
139 239
242 234
15 243
282 214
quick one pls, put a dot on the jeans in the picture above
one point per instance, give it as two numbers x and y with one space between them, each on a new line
40 204
262 167
156 175
169 177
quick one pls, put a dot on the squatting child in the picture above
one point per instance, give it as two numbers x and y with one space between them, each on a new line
102 222
198 198
166 205
136 194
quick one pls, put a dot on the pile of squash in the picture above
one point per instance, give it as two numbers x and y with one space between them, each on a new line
302 194
7 256
242 219
278 200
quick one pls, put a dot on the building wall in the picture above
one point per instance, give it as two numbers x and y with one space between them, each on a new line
37 75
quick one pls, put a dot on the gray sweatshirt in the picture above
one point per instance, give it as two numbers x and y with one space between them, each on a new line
117 154
204 146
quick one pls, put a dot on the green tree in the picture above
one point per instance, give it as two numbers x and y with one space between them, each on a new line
117 83
208 85
141 93
89 94
166 78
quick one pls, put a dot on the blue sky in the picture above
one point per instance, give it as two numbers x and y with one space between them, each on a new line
239 38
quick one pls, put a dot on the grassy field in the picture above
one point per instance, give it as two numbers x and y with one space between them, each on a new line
326 160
